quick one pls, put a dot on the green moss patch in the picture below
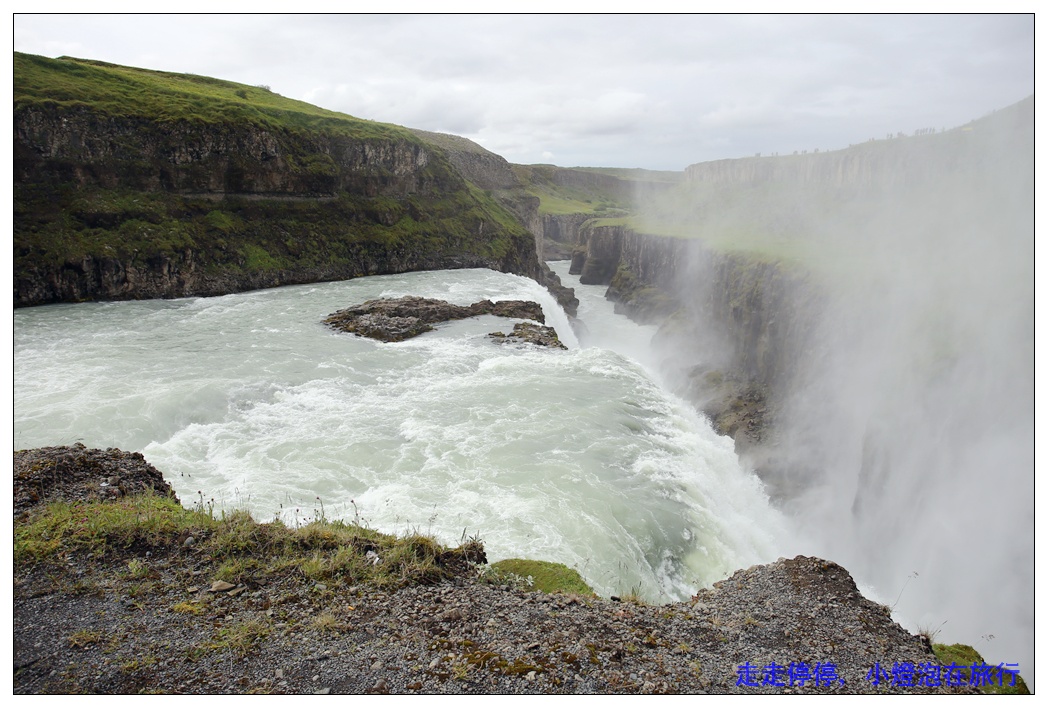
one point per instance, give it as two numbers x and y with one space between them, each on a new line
548 577
965 655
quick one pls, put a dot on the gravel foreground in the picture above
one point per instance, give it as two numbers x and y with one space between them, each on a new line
82 625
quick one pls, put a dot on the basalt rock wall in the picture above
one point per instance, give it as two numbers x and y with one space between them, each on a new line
655 260
129 200
733 328
93 149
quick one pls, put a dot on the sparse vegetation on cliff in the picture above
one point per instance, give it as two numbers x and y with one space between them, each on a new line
570 191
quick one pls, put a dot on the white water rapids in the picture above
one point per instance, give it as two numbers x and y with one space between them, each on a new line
577 457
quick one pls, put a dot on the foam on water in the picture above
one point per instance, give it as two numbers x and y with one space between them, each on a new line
574 456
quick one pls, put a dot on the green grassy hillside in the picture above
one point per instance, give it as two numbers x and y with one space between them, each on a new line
123 91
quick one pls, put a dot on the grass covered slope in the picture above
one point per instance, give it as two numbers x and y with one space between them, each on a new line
124 91
132 183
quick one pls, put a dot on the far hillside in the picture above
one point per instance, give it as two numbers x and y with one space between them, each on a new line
801 208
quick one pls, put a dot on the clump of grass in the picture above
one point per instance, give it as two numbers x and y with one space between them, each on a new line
136 665
329 622
236 569
84 638
928 633
238 548
633 597
241 637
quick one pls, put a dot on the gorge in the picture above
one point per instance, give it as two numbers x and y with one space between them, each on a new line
859 322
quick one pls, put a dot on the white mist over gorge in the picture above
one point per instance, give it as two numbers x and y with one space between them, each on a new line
904 404
794 280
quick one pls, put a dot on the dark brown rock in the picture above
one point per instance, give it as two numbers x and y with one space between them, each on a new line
77 473
527 333
406 317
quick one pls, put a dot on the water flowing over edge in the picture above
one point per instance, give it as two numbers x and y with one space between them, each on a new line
578 457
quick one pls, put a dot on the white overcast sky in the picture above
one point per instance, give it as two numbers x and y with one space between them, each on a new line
653 91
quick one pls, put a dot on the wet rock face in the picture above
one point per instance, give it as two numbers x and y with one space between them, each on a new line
527 333
564 295
406 317
76 473
604 250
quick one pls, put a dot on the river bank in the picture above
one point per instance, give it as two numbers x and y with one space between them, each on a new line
108 602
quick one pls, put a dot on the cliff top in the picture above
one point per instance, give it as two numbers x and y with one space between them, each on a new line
164 96
118 591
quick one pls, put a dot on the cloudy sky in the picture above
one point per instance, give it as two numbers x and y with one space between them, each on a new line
653 91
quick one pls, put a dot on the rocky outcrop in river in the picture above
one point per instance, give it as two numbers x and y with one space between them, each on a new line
406 317
527 333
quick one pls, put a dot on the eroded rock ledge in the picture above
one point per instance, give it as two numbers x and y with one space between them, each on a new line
76 473
406 317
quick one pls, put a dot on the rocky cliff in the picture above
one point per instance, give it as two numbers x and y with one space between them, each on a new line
561 234
774 241
732 326
497 178
901 161
132 184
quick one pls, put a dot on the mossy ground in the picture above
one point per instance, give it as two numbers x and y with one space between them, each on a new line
163 96
965 655
558 198
548 577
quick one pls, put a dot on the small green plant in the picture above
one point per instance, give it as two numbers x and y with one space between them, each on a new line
139 589
188 607
136 569
84 638
242 637
930 633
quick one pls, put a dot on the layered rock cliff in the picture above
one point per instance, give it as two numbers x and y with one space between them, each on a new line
134 184
493 174
774 241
